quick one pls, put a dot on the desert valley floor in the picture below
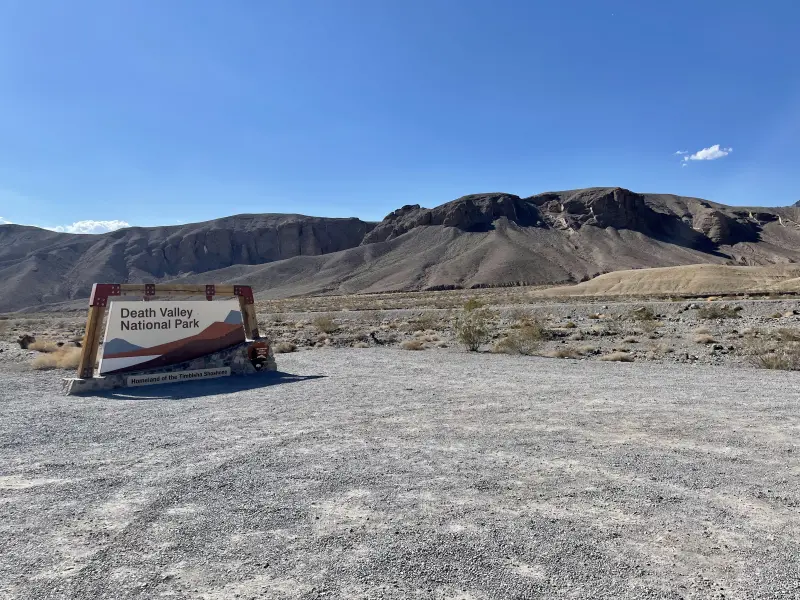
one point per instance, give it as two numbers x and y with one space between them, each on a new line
590 448
382 473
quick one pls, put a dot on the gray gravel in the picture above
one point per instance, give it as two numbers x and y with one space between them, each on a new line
407 475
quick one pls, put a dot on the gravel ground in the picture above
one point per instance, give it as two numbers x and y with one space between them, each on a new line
677 333
380 473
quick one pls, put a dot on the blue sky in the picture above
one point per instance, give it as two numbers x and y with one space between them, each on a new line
156 112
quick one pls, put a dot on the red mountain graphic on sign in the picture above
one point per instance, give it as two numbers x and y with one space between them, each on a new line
213 338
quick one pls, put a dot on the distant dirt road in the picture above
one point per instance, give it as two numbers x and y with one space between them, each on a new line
407 475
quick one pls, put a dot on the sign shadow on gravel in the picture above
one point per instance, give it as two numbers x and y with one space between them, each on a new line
208 387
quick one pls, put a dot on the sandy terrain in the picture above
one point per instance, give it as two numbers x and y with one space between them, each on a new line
381 473
685 280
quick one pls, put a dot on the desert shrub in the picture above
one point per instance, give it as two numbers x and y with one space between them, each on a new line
643 313
764 353
472 304
66 357
661 348
785 358
407 327
602 331
284 347
704 338
534 329
325 324
718 312
471 327
43 346
519 314
785 334
617 357
414 344
427 320
566 352
525 340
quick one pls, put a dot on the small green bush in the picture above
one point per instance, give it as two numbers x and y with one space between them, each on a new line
471 327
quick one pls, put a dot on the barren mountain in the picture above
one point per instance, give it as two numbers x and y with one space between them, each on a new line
477 240
40 267
551 238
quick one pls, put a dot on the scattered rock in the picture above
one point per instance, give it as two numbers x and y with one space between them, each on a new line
25 340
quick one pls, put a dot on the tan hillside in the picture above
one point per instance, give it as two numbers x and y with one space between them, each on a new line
685 280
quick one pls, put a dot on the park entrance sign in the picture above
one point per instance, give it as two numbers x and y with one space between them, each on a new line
172 339
149 335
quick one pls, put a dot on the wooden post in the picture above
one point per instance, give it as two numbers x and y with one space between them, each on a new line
248 318
250 311
91 342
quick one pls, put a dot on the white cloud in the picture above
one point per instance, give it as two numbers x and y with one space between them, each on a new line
680 152
712 153
5 221
90 226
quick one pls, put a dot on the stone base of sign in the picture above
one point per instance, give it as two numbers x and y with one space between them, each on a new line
235 357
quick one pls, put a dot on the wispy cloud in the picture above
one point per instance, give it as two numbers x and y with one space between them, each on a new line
90 226
712 153
681 152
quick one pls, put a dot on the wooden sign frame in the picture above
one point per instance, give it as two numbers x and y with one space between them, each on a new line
101 292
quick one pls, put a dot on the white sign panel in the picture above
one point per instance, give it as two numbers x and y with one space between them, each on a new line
151 335
150 379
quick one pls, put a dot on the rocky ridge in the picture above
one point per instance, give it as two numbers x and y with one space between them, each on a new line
473 241
694 221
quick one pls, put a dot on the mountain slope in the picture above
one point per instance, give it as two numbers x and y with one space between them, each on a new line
476 240
39 267
559 237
